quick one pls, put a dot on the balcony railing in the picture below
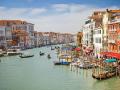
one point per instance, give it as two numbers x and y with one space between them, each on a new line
113 21
111 41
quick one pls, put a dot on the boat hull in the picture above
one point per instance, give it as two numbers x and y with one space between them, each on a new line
26 56
41 54
13 54
103 76
61 63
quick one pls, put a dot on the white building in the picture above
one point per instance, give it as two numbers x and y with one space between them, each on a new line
5 36
97 40
88 33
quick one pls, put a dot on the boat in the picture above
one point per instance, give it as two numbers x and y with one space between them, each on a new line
86 66
12 52
57 63
52 48
61 63
107 71
103 76
25 56
41 54
65 63
49 56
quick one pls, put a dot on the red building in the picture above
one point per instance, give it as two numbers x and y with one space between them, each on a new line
114 37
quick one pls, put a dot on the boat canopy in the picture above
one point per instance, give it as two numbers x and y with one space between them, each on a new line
66 48
110 60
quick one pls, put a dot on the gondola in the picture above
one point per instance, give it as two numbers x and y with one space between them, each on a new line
26 56
41 54
49 57
103 76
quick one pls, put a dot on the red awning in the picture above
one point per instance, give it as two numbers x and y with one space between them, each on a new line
104 53
115 55
111 54
77 49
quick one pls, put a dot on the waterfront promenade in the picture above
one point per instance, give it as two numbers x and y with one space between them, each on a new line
39 73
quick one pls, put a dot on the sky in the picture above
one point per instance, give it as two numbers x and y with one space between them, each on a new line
54 15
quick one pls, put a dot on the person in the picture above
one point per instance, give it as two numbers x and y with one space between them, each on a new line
49 56
96 56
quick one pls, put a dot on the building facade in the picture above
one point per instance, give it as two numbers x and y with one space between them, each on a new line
79 39
18 33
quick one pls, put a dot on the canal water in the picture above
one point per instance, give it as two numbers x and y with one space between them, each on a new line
39 73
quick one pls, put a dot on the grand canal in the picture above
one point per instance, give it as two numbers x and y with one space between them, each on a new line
39 73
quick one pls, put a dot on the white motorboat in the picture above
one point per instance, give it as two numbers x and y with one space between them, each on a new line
12 52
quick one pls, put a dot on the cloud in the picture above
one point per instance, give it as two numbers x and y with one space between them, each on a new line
57 17
38 11
13 13
60 7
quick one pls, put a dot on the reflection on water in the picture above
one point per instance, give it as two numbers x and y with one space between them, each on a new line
39 73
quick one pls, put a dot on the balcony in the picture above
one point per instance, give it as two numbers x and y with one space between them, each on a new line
111 41
112 30
114 21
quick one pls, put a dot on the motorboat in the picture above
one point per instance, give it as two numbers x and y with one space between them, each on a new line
61 62
86 66
12 52
57 63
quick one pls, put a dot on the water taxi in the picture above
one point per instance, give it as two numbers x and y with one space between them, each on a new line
12 52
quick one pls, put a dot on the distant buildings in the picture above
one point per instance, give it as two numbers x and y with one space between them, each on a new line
22 34
18 33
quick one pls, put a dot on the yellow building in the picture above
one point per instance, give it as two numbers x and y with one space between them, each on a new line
79 39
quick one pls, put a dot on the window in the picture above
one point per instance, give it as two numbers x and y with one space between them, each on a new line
99 31
98 40
118 36
119 48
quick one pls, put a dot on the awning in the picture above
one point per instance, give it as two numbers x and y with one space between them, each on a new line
110 60
111 54
77 49
104 53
